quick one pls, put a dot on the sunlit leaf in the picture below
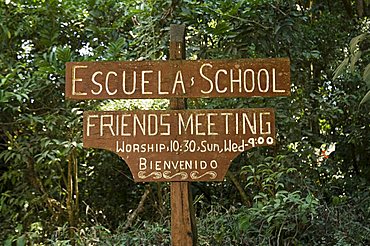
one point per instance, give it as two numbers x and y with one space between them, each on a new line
341 68
21 241
365 98
366 75
356 40
354 59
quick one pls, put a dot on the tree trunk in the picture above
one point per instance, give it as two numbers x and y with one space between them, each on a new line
360 8
240 189
348 7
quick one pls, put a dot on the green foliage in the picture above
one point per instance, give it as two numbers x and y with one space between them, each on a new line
267 177
280 219
358 48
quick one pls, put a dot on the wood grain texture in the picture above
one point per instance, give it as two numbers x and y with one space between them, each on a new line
183 227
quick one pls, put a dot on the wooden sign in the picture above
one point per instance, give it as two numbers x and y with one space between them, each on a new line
179 145
178 79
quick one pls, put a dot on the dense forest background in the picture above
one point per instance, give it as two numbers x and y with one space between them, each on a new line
312 188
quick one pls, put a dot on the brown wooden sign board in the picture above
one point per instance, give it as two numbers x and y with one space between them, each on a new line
179 145
178 79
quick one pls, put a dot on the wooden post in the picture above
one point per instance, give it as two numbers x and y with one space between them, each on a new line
183 226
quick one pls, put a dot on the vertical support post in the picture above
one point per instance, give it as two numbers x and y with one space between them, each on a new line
183 226
177 52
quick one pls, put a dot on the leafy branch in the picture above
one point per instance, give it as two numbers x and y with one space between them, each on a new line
350 62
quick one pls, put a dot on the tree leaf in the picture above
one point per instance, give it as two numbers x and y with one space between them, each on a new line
365 98
21 241
354 59
366 75
356 40
341 68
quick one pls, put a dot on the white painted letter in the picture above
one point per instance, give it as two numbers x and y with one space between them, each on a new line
217 76
107 83
124 125
268 124
178 80
246 80
274 82
74 80
227 121
206 78
142 163
267 80
109 124
152 126
182 124
89 123
96 83
211 124
144 82
160 92
167 125
239 80
124 83
198 123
